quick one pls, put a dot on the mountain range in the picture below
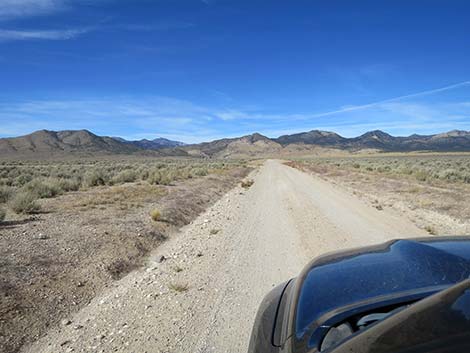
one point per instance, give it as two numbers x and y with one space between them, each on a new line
154 144
44 143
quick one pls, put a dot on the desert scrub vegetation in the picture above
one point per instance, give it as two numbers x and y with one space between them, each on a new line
3 214
424 168
24 203
178 287
31 180
156 215
5 194
43 188
247 183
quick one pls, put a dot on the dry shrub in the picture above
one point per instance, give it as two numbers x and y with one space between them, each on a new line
126 176
160 177
201 171
120 268
94 177
25 203
42 188
430 229
179 287
156 215
247 183
69 184
2 214
5 194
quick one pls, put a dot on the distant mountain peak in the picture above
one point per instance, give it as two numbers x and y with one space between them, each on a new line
378 133
256 137
155 144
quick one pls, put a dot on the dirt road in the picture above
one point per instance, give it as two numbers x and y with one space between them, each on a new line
204 296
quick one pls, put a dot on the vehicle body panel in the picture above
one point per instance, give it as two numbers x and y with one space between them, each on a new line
339 285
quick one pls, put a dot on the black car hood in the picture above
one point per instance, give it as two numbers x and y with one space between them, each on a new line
399 269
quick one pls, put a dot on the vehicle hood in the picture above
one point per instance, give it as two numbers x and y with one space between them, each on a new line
397 269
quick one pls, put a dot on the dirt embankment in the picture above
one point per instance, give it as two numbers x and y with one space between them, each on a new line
204 296
54 263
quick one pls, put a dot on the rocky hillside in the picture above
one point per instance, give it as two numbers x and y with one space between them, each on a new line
46 143
241 147
446 142
63 143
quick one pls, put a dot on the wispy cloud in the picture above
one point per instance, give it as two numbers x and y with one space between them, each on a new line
63 34
390 100
184 120
10 9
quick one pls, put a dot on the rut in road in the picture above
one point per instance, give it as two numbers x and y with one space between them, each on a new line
265 235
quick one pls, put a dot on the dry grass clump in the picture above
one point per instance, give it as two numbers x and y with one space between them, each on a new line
156 215
178 287
178 269
24 203
430 229
247 183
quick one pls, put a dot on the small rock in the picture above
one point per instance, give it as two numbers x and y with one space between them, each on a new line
80 284
161 258
65 322
77 327
41 236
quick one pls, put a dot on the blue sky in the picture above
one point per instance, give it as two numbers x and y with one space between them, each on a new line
204 69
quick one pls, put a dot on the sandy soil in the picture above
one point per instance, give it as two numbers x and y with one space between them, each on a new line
203 297
54 263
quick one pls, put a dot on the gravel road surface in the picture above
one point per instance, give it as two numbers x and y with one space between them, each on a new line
204 295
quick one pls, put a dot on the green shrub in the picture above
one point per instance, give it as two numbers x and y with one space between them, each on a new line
200 171
23 179
156 215
25 203
126 176
5 194
159 177
421 175
94 177
69 184
43 189
448 174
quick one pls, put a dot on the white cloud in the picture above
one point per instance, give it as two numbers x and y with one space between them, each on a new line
23 8
9 35
186 121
